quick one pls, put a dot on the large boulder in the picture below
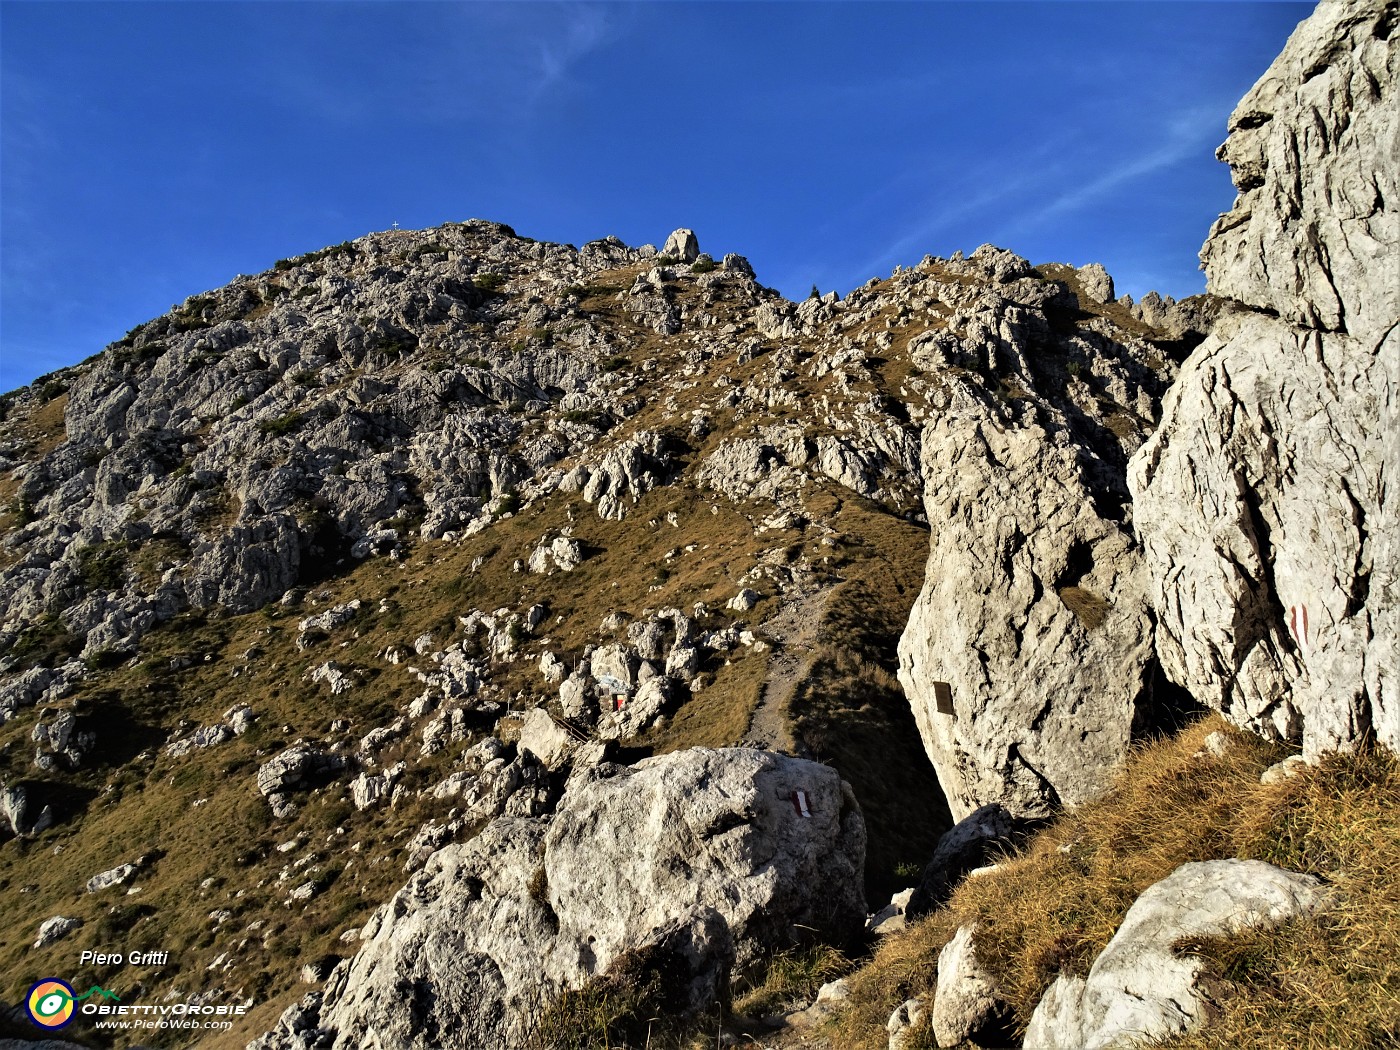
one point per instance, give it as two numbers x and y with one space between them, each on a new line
705 856
20 814
976 840
1027 649
1263 501
297 766
1030 644
1140 989
967 1000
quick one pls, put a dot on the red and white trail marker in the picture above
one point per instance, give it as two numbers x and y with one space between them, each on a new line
799 803
1298 626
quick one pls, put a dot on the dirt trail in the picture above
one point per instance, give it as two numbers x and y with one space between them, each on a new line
793 630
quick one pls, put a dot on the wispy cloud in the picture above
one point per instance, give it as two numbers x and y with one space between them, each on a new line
1187 134
1046 187
960 208
584 29
478 63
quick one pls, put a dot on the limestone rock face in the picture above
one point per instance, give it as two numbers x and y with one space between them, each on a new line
967 998
734 817
55 929
1028 654
682 245
1263 501
701 854
1311 150
1139 988
293 768
18 812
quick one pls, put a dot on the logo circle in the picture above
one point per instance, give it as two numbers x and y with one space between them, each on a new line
50 1003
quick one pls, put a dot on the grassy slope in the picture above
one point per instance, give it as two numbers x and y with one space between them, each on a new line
201 817
1052 908
852 712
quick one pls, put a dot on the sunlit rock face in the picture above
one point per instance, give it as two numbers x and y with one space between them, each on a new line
1265 502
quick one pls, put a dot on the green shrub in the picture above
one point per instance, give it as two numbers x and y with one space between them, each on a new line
343 248
398 344
586 417
703 264
132 355
100 566
289 423
489 282
105 659
613 364
46 641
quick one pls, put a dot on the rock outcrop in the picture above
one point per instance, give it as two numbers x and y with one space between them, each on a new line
1140 988
1266 501
973 842
709 856
967 1000
20 814
1028 654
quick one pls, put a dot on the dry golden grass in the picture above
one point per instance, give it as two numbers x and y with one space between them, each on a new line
1335 981
1085 604
126 806
47 428
1052 908
791 979
715 717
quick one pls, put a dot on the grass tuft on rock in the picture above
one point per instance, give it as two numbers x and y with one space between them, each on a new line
791 980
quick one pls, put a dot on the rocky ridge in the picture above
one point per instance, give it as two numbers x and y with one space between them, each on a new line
342 527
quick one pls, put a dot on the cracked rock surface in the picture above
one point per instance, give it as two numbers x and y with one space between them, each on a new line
1266 500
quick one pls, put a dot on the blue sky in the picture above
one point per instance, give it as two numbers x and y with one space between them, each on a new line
149 151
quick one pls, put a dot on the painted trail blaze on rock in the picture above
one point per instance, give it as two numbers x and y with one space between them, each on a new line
698 853
1263 503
